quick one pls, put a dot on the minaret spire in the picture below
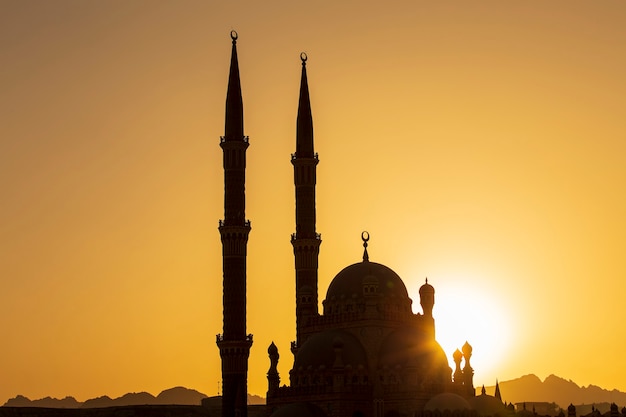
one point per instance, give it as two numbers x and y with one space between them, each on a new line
234 344
306 241
234 102
304 133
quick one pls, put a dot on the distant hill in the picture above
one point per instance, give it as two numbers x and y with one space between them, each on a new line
180 395
21 401
172 396
256 400
554 389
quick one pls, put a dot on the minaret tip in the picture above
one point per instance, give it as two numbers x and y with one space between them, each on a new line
304 123
234 101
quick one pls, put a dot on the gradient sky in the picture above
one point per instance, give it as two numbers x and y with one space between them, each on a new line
481 143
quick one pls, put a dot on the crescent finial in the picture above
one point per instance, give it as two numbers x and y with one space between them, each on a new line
303 57
234 35
365 236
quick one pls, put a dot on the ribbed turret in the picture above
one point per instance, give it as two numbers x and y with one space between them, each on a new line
305 241
468 371
234 343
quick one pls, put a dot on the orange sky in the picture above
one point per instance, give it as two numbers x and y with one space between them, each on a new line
481 144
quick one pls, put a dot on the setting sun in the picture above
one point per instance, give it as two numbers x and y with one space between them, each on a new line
463 313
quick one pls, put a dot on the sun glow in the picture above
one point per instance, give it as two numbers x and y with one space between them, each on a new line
463 313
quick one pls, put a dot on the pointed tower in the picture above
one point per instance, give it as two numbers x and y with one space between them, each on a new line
234 344
497 393
306 241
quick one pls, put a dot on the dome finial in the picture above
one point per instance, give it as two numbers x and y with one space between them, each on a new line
365 236
234 35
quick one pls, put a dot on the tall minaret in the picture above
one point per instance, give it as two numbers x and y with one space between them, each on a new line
234 344
306 242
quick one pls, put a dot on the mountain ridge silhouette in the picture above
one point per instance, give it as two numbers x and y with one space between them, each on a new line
528 388
171 396
554 389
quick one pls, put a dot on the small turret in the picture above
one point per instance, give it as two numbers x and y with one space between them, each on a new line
571 410
427 298
468 372
427 301
458 373
273 377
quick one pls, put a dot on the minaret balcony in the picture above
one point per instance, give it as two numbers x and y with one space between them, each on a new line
294 236
245 139
294 156
219 338
246 223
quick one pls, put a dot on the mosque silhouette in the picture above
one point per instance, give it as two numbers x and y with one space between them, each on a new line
367 354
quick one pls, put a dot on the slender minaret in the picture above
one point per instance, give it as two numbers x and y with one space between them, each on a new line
306 242
234 344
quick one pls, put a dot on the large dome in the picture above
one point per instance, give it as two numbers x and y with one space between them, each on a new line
354 279
447 401
321 351
413 348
